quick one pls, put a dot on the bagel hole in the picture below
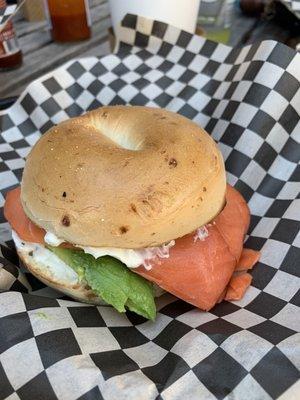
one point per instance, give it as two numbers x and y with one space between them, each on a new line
122 138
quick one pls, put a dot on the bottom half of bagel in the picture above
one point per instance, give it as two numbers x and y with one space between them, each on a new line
60 278
55 273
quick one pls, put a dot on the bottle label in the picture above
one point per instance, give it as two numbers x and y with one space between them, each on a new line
8 44
7 36
7 33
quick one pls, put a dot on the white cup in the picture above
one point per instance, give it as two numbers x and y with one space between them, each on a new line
180 13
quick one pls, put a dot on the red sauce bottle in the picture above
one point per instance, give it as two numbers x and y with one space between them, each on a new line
69 20
10 53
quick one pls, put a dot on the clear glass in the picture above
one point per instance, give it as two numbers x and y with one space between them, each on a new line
215 17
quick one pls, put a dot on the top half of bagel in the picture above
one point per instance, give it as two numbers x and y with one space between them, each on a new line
126 177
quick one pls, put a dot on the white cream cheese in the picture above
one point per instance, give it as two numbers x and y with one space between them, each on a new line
44 257
52 239
131 258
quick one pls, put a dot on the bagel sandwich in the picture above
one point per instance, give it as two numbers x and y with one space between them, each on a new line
124 202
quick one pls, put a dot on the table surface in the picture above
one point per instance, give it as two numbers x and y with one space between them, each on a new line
41 54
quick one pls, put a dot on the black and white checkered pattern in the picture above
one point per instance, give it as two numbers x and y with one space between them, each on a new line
5 13
293 6
249 100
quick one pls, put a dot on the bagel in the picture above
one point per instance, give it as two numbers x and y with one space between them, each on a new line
123 177
123 202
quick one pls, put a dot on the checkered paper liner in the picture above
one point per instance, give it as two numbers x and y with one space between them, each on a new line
293 6
5 13
248 99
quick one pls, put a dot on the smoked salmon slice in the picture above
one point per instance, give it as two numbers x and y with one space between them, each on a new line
237 286
199 272
25 228
14 213
240 280
196 272
247 260
233 222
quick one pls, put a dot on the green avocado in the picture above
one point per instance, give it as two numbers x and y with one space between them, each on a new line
112 281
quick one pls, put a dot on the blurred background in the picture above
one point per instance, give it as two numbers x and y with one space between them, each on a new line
44 34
